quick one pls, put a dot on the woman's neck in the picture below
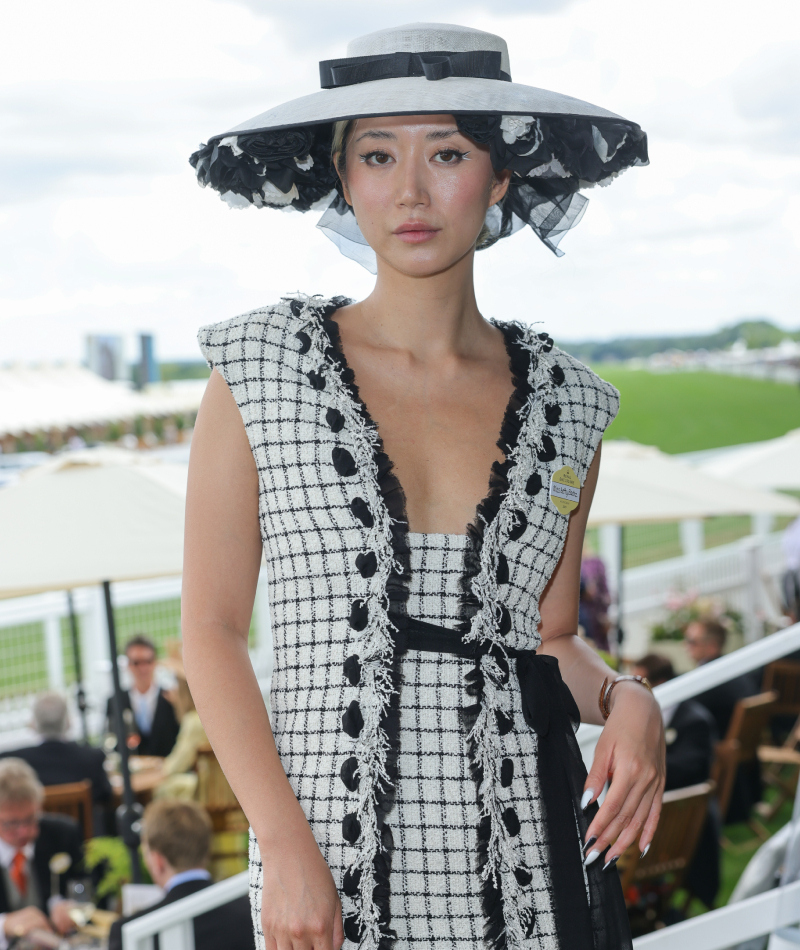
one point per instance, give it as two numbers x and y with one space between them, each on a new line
428 317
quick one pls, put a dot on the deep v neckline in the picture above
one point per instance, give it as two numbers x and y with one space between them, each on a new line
487 507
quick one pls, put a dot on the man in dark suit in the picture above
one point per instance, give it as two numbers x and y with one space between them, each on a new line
56 759
691 736
150 721
176 842
29 841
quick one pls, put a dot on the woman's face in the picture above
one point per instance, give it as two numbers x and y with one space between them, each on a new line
419 190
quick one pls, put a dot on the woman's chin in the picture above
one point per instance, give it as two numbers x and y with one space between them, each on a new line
422 260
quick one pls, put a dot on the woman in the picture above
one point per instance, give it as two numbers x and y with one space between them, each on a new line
180 778
419 783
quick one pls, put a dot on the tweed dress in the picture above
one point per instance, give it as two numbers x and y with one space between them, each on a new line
418 771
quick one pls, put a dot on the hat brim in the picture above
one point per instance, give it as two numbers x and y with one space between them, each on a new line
414 95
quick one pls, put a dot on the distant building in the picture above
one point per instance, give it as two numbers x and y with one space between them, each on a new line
147 370
105 356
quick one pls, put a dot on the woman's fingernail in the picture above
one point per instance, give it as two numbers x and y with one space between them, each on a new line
587 797
592 856
589 843
646 849
609 863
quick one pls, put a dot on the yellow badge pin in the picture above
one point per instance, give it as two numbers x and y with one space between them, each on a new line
565 490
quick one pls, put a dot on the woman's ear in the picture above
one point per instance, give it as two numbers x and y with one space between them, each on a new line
499 186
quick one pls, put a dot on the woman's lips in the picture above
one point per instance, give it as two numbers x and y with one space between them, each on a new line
416 234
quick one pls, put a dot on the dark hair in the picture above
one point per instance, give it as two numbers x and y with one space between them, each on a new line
178 830
657 667
141 640
713 630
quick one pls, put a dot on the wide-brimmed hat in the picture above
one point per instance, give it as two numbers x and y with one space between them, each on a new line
555 145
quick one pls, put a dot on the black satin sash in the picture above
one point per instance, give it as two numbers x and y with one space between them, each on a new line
549 708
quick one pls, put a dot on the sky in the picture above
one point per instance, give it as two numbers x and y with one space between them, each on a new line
103 228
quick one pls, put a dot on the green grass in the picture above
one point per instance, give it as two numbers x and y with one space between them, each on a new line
688 412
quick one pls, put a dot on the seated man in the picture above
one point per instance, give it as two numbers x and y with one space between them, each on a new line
28 840
176 843
56 759
690 733
150 717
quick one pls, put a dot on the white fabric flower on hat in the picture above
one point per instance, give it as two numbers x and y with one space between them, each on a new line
305 164
233 142
274 196
514 127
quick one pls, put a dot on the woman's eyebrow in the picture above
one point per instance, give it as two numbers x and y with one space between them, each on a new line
376 134
441 134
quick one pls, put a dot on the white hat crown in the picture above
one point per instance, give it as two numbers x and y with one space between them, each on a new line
429 38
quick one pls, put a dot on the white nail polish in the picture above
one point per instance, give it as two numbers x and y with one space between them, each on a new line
646 849
592 856
587 797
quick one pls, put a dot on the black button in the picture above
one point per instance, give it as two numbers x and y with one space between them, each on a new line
351 828
335 419
505 620
348 773
305 341
296 307
552 415
351 881
548 450
506 772
343 462
353 929
534 484
361 510
352 720
523 876
520 528
557 375
511 822
316 379
547 342
504 723
367 563
359 615
502 568
352 669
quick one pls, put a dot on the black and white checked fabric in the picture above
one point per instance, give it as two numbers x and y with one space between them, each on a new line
312 541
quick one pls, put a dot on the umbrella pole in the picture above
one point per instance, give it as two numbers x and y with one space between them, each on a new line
80 694
129 814
620 634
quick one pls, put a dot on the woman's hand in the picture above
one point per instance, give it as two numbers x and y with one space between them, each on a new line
632 752
300 906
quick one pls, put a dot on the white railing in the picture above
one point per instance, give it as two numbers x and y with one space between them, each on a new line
173 924
776 910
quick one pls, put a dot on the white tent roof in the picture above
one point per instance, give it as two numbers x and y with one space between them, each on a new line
41 398
638 483
771 464
86 517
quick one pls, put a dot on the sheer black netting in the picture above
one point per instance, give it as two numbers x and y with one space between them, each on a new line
552 159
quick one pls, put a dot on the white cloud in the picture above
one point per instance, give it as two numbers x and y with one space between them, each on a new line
102 225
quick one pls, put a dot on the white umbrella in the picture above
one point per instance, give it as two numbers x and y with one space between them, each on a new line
89 516
639 483
771 464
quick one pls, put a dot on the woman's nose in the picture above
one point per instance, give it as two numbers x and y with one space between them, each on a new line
412 188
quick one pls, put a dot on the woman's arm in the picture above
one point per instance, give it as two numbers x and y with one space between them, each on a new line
631 748
222 556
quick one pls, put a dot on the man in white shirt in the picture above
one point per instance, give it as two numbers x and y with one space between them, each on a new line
150 719
28 841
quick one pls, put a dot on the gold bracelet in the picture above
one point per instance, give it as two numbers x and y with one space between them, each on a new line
605 693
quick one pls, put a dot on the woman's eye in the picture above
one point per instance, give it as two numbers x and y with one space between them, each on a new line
376 158
449 156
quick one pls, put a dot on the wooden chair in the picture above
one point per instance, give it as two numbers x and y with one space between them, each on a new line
750 718
777 760
73 799
783 676
230 844
662 870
